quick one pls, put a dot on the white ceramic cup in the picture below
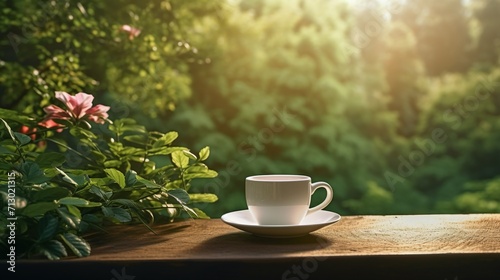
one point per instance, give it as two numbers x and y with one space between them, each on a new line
283 199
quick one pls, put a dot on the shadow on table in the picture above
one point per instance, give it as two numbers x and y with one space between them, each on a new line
249 245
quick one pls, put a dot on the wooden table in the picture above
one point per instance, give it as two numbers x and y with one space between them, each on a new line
357 247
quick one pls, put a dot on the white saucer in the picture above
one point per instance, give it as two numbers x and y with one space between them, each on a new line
244 220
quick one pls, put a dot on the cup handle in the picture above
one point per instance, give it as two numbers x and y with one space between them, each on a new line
328 199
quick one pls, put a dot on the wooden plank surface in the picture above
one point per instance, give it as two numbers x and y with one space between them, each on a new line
393 247
355 236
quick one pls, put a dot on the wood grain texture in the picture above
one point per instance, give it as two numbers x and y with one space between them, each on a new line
392 247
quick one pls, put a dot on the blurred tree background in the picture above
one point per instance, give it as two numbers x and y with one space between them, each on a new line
395 103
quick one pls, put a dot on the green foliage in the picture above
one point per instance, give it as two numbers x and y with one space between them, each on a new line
83 46
287 95
60 185
442 31
347 94
466 108
480 197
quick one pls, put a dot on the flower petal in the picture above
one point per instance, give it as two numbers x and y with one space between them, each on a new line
63 96
56 112
126 27
98 113
83 103
98 109
49 123
132 31
67 99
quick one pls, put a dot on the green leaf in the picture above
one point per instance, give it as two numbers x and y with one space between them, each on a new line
137 139
179 159
130 178
176 184
125 202
134 128
80 180
47 227
22 138
9 130
197 168
112 163
98 156
76 180
180 195
128 151
76 201
116 175
76 244
202 197
6 166
52 249
207 174
200 214
66 178
190 155
166 170
79 132
14 116
51 172
190 211
100 193
6 151
166 139
199 172
170 137
148 183
50 159
67 217
165 150
204 153
106 181
73 210
92 219
32 173
50 194
38 209
120 214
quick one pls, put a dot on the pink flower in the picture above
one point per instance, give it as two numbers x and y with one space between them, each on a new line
79 107
132 32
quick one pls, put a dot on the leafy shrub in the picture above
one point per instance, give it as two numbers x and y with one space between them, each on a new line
62 176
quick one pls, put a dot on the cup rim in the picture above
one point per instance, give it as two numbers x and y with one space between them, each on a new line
278 178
